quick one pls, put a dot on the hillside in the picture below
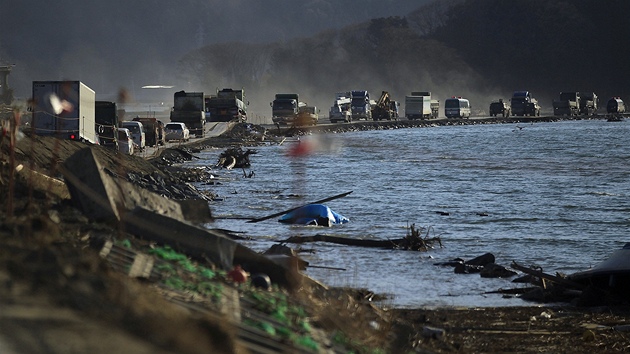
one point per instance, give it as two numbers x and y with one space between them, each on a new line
383 54
544 46
480 49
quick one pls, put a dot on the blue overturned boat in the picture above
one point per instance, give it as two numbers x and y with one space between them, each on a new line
315 215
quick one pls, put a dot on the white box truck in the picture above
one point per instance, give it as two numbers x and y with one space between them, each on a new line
64 109
418 105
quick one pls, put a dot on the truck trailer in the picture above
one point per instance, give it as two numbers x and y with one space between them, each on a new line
568 104
153 130
106 117
418 106
190 108
227 105
64 109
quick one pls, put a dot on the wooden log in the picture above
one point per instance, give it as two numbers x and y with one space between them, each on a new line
553 278
398 243
343 241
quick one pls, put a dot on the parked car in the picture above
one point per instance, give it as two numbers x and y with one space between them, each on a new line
125 141
137 133
176 131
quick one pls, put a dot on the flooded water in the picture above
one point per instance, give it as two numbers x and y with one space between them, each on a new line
556 195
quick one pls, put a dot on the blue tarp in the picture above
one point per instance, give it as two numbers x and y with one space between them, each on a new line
314 214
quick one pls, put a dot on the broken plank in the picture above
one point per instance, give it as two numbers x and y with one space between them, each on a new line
553 278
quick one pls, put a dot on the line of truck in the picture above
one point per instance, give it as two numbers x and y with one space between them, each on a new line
353 105
69 110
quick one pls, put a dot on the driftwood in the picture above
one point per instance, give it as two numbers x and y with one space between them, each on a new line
556 279
412 242
235 158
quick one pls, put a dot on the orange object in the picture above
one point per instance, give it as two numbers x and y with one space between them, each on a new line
237 275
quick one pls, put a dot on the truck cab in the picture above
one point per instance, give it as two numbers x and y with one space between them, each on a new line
340 110
568 104
285 108
190 108
360 105
308 115
499 107
523 104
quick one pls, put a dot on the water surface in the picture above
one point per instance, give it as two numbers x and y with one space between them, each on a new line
555 196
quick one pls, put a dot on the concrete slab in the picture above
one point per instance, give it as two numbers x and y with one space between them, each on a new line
104 198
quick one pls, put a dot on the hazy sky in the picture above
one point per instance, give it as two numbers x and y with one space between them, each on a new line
114 44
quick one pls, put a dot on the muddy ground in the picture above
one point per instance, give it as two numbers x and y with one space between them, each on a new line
57 295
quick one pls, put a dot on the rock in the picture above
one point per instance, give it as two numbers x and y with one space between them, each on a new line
482 260
433 332
537 295
496 271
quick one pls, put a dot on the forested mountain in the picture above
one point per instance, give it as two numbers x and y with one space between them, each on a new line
481 49
545 46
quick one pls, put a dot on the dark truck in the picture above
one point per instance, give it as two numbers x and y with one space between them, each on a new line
499 107
153 130
226 106
285 108
106 117
523 104
568 104
190 108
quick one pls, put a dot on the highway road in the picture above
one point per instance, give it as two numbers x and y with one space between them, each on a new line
212 129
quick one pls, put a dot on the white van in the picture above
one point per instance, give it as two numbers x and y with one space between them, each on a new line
457 107
125 141
137 133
